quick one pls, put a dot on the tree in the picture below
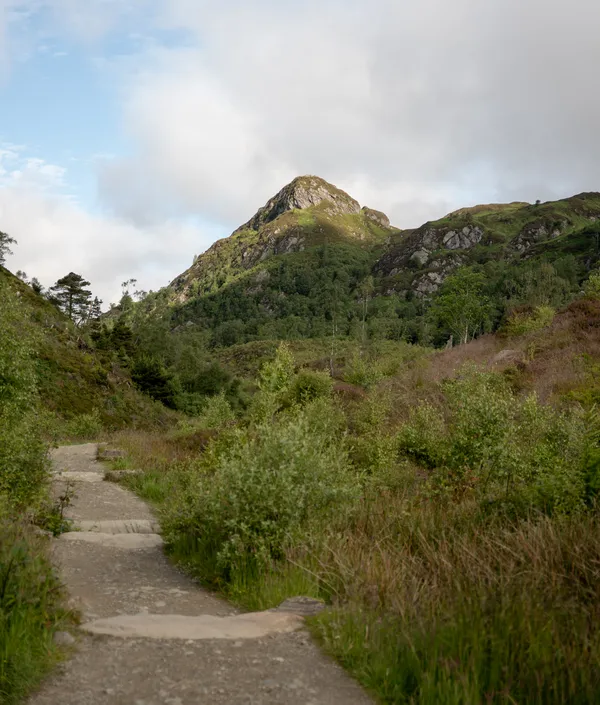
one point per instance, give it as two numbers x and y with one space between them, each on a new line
71 297
36 285
461 305
5 242
95 309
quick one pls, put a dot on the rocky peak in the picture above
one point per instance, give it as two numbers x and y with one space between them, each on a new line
303 192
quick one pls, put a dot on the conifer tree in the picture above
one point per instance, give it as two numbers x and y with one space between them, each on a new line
71 297
5 242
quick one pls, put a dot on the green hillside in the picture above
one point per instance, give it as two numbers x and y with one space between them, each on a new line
75 379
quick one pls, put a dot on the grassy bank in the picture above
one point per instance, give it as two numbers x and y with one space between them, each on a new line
31 608
455 537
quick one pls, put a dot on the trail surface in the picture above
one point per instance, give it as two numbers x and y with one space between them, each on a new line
150 635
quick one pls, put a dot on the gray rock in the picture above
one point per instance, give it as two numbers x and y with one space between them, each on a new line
421 257
301 605
110 453
463 239
64 639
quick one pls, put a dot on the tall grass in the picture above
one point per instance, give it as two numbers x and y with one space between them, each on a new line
436 611
30 610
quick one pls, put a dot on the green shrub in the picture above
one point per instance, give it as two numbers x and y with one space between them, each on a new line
217 412
504 450
591 287
23 455
309 385
30 610
363 371
85 426
260 488
528 321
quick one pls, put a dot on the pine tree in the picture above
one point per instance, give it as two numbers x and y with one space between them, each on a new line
71 297
5 242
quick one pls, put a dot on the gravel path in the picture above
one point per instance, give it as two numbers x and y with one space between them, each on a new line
135 646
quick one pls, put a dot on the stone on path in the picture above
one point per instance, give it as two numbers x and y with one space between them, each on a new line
130 542
255 625
119 526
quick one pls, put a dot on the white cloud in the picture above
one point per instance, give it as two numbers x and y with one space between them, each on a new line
422 105
56 235
414 108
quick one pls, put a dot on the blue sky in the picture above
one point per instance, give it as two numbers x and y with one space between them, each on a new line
134 133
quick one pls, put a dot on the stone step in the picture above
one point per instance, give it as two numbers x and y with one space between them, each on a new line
128 542
79 476
119 526
254 625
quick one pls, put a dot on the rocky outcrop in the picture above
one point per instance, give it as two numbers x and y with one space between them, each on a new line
303 192
377 217
539 231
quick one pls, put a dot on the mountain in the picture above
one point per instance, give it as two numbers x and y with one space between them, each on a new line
313 263
306 213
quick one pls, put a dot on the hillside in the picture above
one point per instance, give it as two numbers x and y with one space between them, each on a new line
312 263
74 379
418 260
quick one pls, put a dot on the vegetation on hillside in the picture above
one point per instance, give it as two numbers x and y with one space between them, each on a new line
445 512
30 596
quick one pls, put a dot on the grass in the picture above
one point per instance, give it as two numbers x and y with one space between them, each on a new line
31 611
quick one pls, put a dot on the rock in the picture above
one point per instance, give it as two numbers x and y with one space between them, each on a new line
429 283
301 605
126 542
119 526
463 239
254 625
303 192
421 257
116 475
505 356
110 453
63 639
377 217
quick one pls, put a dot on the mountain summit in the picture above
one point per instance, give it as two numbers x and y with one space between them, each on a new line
303 192
308 212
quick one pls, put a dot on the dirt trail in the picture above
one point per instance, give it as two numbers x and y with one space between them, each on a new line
150 636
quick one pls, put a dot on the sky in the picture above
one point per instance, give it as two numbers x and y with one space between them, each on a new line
135 133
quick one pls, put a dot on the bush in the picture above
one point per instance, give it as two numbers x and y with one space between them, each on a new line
30 610
591 287
503 450
85 426
217 412
23 455
529 320
309 385
259 488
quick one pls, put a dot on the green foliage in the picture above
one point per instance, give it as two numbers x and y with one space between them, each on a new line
72 298
262 487
217 413
85 426
23 460
364 371
591 286
522 322
461 305
308 385
30 610
151 377
5 242
504 450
